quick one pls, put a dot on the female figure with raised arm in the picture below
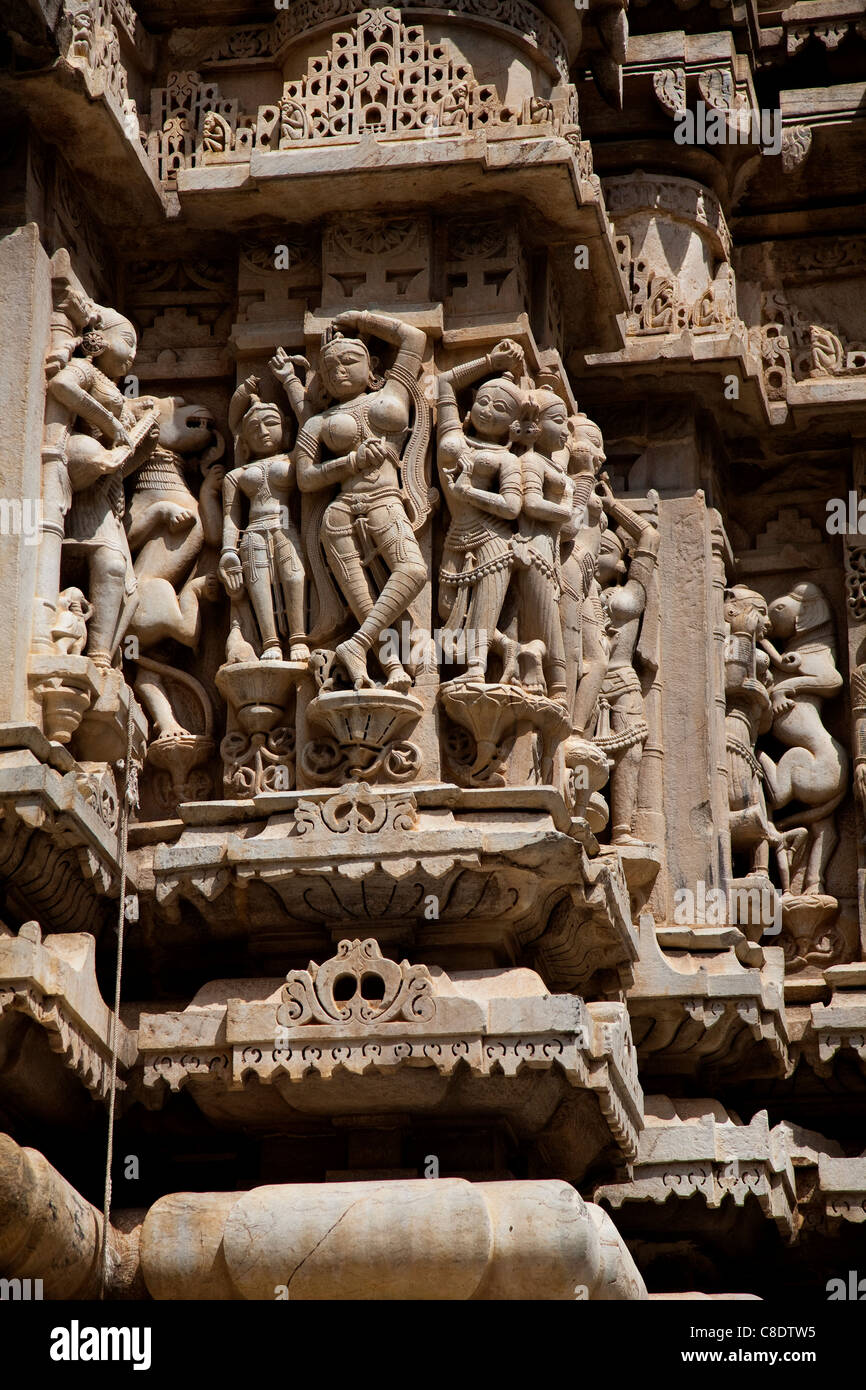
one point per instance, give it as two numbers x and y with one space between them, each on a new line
359 443
481 476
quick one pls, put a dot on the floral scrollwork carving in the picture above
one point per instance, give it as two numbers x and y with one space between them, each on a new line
259 762
355 808
359 985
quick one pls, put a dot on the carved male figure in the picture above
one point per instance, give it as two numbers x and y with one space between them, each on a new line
546 507
107 434
624 602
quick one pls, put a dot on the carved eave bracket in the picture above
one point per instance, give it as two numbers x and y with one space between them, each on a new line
696 1010
493 873
364 1034
53 984
59 853
696 1148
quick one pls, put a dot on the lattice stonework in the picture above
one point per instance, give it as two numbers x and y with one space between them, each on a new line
381 78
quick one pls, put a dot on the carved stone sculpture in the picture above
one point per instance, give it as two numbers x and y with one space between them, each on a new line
747 688
482 480
168 528
492 700
369 557
814 770
546 506
109 435
261 553
626 589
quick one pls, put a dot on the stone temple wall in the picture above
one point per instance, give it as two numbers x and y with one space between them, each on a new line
433 713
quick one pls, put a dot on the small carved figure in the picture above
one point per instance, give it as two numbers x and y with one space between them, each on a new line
458 105
482 479
367 532
69 629
814 770
624 602
214 133
263 557
717 306
293 123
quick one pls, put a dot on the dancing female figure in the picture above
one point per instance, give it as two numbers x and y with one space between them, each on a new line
367 531
482 479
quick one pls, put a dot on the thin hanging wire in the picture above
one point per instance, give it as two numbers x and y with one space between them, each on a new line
128 795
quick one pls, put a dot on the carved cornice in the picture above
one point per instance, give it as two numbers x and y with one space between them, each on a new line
54 984
699 1010
361 1015
524 22
694 1148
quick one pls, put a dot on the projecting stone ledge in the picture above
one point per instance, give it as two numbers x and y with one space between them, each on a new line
51 985
831 1187
837 1030
362 1034
459 877
695 1147
696 1010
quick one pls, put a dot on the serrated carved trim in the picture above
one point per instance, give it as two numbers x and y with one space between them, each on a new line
531 26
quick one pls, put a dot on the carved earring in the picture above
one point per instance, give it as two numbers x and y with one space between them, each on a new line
93 344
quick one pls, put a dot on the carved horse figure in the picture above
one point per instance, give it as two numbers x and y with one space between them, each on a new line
168 529
814 770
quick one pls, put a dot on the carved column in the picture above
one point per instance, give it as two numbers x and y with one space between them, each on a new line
694 710
26 298
856 631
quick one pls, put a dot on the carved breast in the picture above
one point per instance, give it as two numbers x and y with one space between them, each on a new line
487 459
387 416
341 432
620 605
103 390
